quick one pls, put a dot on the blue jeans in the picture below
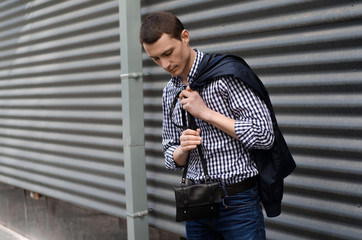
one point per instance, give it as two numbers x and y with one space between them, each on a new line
241 218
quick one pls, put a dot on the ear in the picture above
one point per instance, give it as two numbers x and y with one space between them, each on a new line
185 36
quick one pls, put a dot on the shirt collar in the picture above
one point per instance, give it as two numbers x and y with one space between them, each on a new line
190 76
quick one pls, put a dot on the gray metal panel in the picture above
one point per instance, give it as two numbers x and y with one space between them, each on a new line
309 55
60 101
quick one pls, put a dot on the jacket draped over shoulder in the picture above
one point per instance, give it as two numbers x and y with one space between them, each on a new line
273 164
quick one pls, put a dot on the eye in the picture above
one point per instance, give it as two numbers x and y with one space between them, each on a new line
168 53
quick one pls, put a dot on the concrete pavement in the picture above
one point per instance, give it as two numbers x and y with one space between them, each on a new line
8 234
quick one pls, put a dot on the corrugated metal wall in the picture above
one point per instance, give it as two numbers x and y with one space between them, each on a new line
60 103
309 55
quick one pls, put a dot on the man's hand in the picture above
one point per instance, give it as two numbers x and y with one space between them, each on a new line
193 103
189 140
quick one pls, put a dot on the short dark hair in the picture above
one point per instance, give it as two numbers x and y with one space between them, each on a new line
156 24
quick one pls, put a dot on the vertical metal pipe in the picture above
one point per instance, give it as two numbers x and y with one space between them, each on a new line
133 121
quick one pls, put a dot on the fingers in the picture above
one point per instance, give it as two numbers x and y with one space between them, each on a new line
191 133
186 93
188 98
190 139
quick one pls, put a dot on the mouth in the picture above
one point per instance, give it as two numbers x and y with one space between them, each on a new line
172 70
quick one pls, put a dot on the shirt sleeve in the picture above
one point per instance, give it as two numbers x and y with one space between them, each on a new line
170 132
253 125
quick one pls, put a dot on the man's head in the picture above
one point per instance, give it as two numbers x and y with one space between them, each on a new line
156 24
166 41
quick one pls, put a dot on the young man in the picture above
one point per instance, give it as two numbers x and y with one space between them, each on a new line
232 121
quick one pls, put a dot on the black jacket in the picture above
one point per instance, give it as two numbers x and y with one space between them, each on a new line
274 164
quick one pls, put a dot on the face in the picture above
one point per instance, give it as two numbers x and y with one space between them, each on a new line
171 54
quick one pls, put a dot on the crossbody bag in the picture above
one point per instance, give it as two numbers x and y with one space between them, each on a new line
196 201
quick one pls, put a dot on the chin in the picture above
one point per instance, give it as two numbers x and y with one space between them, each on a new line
175 74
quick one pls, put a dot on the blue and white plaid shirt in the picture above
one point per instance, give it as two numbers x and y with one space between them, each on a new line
228 159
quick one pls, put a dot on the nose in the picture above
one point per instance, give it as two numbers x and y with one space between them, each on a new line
165 64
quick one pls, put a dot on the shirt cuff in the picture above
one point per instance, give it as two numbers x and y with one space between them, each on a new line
244 131
169 162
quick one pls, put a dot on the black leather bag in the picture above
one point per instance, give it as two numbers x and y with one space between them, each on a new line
197 200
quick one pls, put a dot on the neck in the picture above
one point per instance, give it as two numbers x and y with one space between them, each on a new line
189 66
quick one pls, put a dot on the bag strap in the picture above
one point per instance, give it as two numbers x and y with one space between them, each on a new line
192 125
